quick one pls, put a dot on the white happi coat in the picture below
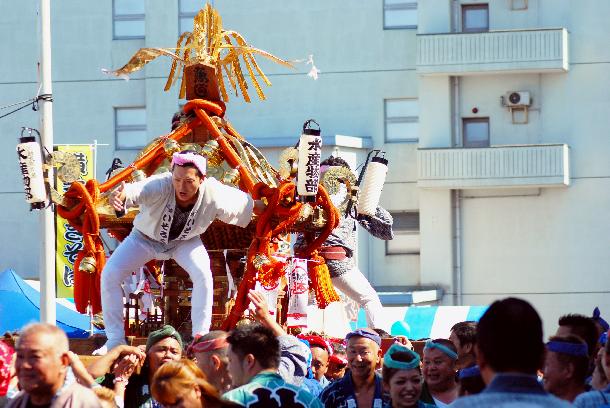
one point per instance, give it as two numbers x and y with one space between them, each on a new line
156 197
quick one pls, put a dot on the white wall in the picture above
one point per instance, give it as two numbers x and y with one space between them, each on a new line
550 245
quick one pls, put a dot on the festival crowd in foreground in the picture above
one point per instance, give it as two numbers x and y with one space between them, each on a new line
500 361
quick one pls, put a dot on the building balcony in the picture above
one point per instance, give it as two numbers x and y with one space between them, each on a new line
510 51
494 167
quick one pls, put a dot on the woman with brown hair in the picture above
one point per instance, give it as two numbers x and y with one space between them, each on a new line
182 384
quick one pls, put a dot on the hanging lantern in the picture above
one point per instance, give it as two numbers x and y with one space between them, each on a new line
310 150
30 164
373 184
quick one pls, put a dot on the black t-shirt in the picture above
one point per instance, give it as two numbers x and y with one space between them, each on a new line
179 221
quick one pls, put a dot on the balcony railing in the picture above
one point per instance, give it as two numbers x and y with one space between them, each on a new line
494 167
534 51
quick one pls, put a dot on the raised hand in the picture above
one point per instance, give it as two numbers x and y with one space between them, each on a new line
261 311
117 198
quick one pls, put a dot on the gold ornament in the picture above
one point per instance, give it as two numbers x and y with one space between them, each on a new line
219 122
58 198
171 146
288 163
68 166
260 260
231 176
332 179
192 146
216 172
209 44
211 150
305 213
318 220
88 264
149 147
137 175
263 169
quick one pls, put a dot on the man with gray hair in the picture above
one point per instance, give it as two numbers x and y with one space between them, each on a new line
211 354
41 365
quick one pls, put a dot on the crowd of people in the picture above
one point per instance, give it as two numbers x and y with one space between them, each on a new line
501 361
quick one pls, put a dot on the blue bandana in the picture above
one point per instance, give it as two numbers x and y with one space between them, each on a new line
389 362
573 349
366 334
309 357
469 372
450 353
599 319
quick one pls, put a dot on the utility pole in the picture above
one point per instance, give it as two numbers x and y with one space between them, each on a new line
47 219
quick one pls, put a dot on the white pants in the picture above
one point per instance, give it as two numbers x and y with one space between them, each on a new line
135 251
355 285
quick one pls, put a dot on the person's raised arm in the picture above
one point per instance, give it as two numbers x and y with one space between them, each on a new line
378 225
79 370
293 352
262 314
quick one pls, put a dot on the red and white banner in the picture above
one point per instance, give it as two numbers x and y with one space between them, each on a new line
298 292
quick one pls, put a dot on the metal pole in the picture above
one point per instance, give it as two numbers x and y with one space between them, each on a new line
47 262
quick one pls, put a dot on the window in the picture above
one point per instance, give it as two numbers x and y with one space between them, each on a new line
476 132
128 19
399 14
187 11
406 234
401 120
130 128
475 18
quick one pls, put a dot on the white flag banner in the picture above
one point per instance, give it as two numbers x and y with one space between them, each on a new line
298 292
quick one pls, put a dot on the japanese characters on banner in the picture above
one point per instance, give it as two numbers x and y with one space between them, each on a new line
298 292
310 149
68 241
30 164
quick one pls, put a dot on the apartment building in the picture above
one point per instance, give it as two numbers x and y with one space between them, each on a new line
513 173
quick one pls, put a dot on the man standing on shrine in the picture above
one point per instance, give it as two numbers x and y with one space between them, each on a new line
175 209
340 247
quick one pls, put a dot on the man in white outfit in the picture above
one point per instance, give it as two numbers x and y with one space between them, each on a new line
175 209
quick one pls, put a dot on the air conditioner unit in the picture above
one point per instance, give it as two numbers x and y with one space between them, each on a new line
514 99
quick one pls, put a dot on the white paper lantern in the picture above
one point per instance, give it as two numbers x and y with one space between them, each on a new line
372 186
30 164
310 150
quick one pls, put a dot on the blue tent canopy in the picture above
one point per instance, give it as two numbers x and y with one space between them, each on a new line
20 305
421 322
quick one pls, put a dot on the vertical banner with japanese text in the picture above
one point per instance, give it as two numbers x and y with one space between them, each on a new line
298 292
68 241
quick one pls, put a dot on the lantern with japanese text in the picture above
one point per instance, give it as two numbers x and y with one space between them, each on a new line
32 173
310 150
374 179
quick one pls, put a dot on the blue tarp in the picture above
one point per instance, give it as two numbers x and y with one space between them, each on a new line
421 322
20 305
